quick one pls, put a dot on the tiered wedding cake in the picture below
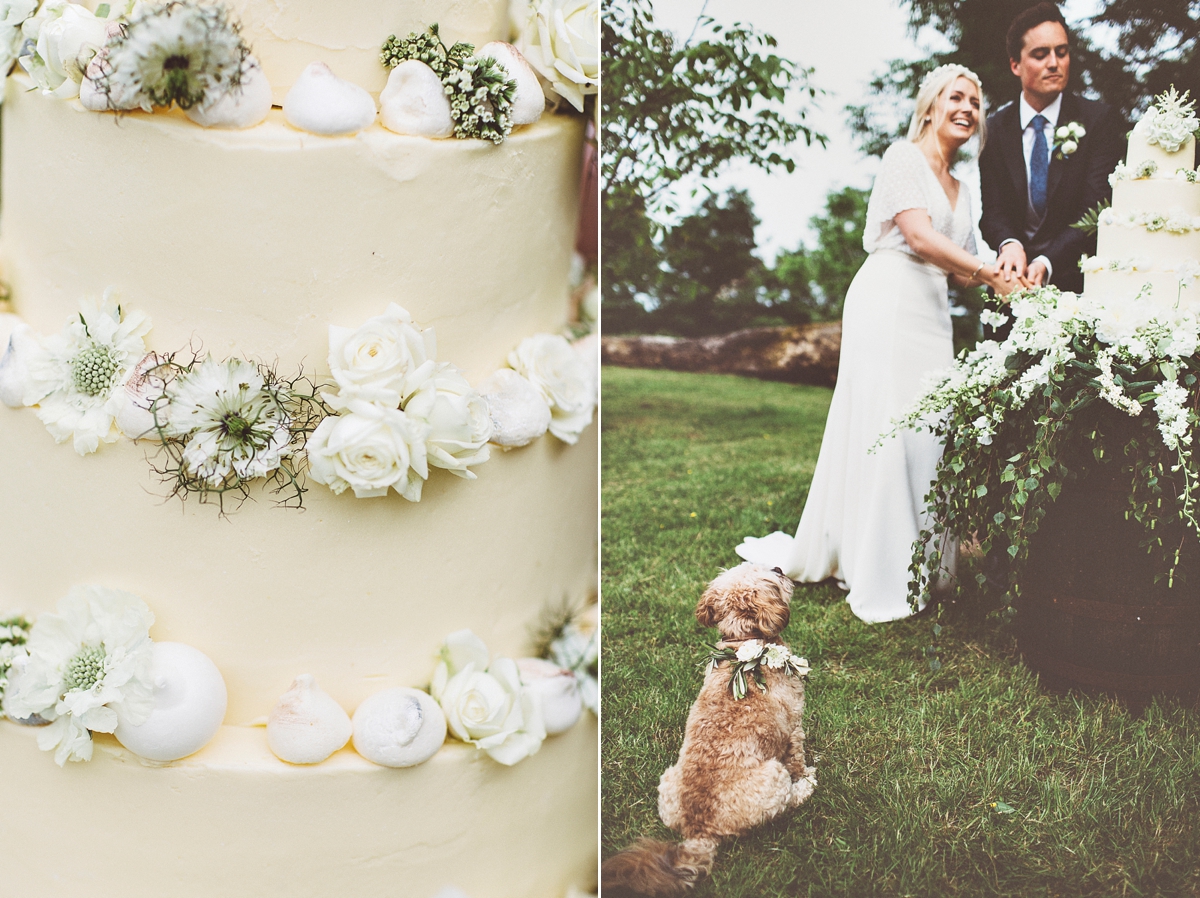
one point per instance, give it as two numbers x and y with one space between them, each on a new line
279 254
1149 239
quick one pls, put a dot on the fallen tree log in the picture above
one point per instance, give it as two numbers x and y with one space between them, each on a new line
806 354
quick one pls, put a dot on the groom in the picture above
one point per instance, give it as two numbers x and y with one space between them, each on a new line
1035 186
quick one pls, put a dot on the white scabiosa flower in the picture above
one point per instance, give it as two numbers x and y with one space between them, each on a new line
370 450
384 360
181 52
460 424
549 363
75 377
561 41
85 663
232 424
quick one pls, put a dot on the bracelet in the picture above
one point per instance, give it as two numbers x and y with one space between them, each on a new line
976 271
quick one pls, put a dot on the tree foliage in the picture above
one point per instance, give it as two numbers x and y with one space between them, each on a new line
671 110
1126 53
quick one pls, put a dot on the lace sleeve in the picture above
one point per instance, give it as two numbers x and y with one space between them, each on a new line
902 183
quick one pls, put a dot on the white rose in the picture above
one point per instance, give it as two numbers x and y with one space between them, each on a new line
384 360
748 651
549 363
370 450
458 418
68 36
488 708
1069 147
561 41
13 14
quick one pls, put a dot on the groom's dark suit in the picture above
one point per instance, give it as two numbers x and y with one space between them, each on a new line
1074 185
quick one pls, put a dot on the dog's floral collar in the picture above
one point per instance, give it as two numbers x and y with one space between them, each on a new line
749 659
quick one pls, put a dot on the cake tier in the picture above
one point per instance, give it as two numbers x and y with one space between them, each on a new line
1140 150
1154 220
286 35
254 242
1163 288
359 593
232 821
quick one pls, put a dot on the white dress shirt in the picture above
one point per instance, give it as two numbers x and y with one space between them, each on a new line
1027 112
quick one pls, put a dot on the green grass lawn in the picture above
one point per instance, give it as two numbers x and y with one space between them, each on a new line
910 761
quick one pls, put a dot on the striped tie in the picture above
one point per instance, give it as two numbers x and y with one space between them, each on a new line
1039 166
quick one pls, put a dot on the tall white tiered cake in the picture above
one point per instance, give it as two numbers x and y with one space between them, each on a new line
1149 239
267 244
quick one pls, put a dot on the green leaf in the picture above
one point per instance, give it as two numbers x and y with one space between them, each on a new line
981 490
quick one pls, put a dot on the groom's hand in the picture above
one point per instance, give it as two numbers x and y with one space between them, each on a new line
1010 262
1036 274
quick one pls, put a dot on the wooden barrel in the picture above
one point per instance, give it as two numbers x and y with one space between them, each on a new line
1091 616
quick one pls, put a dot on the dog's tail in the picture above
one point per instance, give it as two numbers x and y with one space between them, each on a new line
659 868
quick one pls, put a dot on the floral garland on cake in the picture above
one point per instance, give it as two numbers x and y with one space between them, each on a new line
393 413
91 667
137 55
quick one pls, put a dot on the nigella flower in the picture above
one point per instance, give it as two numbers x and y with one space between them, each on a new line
84 664
75 377
232 423
180 52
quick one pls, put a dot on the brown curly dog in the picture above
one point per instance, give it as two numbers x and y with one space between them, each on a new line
742 761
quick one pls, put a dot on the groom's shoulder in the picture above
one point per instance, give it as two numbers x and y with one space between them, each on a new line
1003 112
1090 111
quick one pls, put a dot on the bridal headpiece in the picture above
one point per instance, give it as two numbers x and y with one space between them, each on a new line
945 70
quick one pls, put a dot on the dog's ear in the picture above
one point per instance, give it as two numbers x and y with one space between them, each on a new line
772 609
706 608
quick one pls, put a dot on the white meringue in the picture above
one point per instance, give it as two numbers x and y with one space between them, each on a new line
520 414
323 103
14 370
399 727
557 689
189 705
306 725
529 99
242 108
414 102
135 420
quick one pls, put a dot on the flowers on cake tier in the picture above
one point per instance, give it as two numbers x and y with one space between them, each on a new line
13 14
82 666
62 39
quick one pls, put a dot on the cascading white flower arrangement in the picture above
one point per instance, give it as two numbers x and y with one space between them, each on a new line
485 702
82 667
1079 382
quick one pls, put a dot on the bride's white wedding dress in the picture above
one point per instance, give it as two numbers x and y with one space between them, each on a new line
865 510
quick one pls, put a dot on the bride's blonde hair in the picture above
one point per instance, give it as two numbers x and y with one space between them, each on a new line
931 88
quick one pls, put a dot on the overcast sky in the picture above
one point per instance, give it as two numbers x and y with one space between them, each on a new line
847 42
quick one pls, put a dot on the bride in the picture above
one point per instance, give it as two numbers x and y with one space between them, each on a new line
865 509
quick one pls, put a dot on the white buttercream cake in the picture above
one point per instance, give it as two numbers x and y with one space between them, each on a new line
251 244
1148 240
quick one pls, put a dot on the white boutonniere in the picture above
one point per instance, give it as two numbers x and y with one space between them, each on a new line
1066 139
